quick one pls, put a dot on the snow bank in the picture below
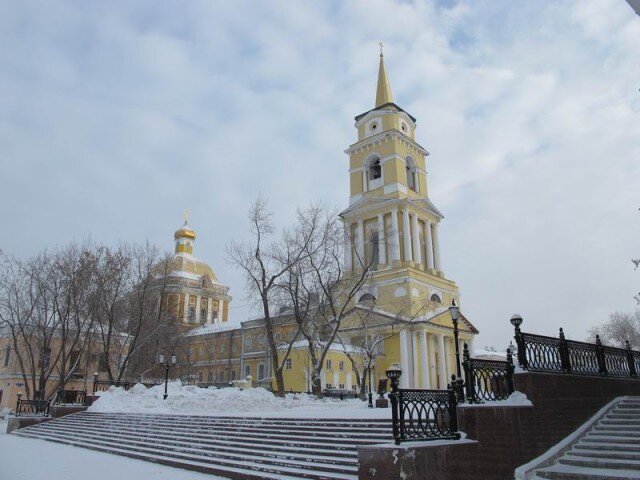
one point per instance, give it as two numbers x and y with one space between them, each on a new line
516 399
190 399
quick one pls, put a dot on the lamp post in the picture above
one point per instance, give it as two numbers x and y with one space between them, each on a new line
516 321
167 365
393 374
458 385
370 393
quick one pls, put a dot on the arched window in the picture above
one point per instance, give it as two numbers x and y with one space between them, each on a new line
367 298
411 174
436 298
203 316
375 168
192 314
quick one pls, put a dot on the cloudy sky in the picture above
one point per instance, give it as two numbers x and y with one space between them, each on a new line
116 116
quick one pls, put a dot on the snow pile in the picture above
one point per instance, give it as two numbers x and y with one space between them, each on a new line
190 399
516 399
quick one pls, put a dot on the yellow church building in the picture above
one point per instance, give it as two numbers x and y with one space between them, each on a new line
390 221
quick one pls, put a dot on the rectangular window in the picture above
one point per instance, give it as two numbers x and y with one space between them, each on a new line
287 364
341 365
329 385
341 386
200 377
247 370
329 365
233 374
210 377
7 356
261 371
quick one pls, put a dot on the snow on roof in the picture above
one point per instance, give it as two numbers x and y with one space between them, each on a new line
335 347
212 328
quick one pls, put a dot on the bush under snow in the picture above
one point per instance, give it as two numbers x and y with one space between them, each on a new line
190 399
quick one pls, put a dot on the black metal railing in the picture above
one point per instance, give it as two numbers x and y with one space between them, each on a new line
539 353
423 414
102 385
487 380
71 397
32 408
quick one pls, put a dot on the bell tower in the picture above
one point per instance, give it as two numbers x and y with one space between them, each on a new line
391 222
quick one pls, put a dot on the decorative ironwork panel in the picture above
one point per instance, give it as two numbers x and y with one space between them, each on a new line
71 397
542 353
427 414
490 379
616 363
583 358
33 408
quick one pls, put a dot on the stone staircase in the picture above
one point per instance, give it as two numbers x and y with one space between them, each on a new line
231 447
609 450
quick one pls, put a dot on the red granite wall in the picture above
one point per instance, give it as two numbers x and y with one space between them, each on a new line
507 436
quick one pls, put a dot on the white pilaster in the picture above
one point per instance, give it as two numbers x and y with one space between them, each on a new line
364 181
436 248
417 253
360 260
426 381
433 348
442 363
220 310
394 247
348 260
406 232
198 301
404 359
428 239
348 382
336 379
415 348
382 244
210 310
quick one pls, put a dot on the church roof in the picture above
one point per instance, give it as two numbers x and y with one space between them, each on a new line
375 202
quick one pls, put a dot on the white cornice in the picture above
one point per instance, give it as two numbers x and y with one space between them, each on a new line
384 137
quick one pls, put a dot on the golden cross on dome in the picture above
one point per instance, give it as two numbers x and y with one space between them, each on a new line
381 47
186 216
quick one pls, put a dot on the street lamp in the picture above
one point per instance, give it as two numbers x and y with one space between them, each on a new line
516 320
167 365
370 394
454 311
393 374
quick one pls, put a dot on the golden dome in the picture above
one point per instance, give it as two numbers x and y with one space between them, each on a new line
190 267
185 232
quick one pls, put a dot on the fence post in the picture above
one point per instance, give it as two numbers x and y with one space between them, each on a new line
510 370
565 362
602 366
469 381
630 361
453 413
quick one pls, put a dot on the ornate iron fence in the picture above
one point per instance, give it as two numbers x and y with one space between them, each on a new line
71 397
487 380
32 408
538 353
423 414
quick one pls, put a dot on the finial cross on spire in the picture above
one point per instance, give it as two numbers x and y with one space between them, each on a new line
381 47
186 216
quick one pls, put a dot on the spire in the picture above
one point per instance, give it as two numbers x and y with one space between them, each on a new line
383 93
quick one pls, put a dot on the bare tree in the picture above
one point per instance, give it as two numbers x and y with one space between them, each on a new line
620 327
263 262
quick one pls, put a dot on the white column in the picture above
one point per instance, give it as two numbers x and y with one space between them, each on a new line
426 382
417 253
348 260
442 363
220 310
433 348
382 244
360 260
198 299
406 232
210 310
436 248
416 362
394 247
404 359
364 181
347 381
336 379
428 240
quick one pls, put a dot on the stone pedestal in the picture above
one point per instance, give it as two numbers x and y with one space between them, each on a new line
382 403
16 423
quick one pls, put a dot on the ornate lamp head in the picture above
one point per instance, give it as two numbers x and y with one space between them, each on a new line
394 372
516 320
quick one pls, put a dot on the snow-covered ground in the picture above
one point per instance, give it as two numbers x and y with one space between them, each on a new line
192 400
29 459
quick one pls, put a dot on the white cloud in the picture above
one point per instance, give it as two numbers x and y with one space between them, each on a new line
113 119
